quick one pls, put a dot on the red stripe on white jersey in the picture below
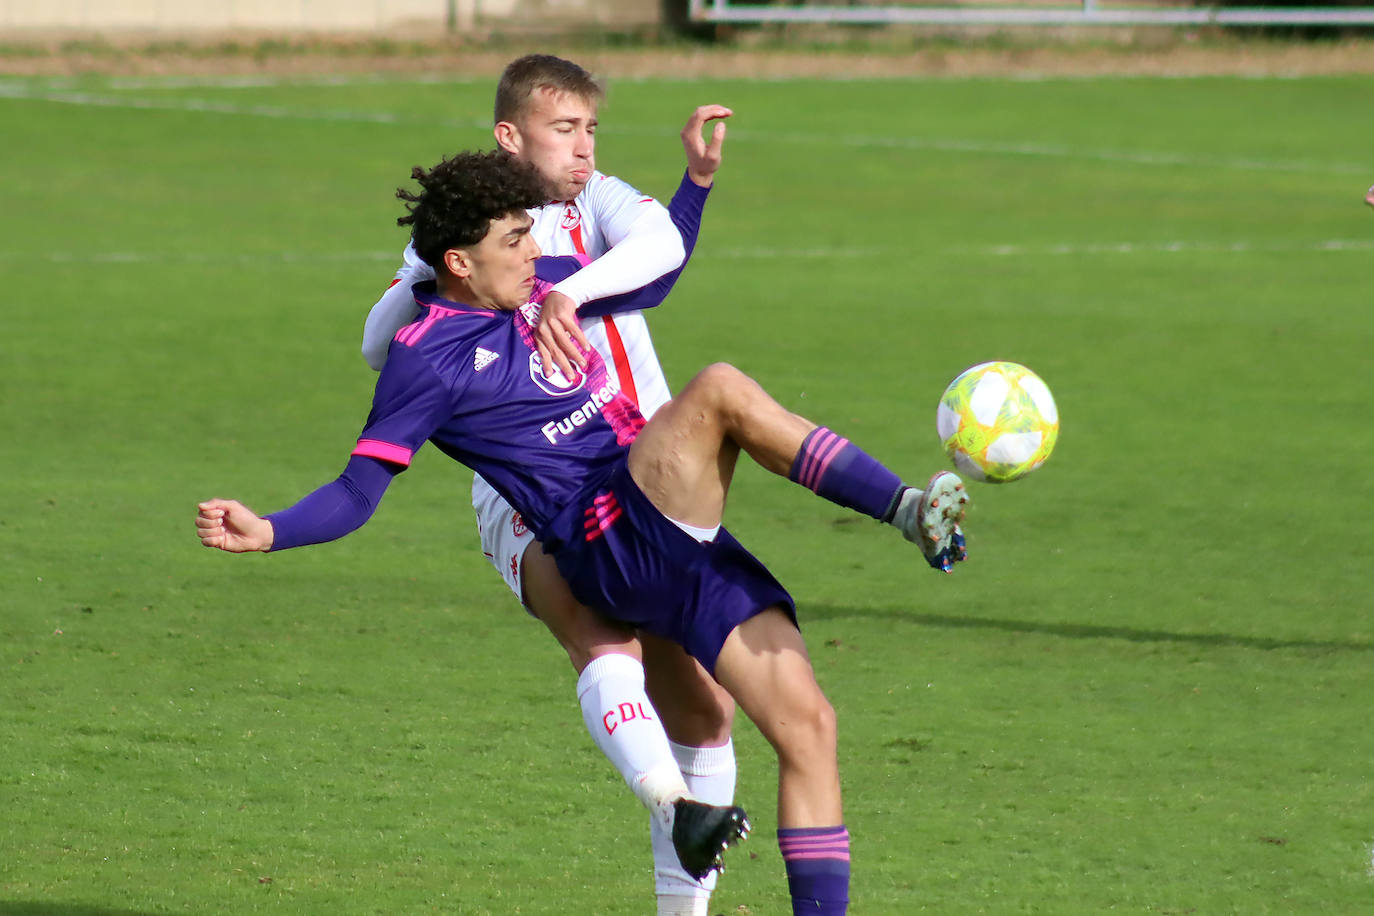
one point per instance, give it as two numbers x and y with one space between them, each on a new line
619 357
621 360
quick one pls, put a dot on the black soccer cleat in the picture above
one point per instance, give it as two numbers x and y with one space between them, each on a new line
702 832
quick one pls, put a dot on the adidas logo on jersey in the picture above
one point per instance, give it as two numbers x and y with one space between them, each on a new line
483 359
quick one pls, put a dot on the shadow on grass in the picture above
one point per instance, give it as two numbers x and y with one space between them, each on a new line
1078 630
63 909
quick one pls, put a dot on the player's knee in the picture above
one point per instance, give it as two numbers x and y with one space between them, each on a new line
824 725
812 732
723 389
718 380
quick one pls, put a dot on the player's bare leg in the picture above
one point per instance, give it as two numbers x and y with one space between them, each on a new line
685 457
684 460
696 710
765 666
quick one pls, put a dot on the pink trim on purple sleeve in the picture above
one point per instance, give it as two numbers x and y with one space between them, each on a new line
384 451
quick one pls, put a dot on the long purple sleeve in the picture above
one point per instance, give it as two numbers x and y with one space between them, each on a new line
685 210
335 509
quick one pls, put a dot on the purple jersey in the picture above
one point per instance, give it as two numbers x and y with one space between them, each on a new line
470 380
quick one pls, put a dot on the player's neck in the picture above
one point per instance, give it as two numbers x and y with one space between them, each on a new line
454 289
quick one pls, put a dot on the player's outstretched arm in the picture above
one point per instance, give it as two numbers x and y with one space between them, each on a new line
336 509
231 526
703 159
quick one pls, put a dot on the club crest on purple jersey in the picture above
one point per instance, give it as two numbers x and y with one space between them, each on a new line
557 385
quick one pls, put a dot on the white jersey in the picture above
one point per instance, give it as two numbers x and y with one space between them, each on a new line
610 218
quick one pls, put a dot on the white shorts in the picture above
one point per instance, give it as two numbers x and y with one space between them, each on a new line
503 534
505 538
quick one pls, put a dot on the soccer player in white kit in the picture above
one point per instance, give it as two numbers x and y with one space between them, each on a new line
546 114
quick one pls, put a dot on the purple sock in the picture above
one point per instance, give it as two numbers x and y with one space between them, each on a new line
831 466
817 861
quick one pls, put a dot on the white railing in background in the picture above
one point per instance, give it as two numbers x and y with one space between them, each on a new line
1089 13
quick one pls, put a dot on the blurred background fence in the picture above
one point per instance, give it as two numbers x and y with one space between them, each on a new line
1042 13
321 15
458 16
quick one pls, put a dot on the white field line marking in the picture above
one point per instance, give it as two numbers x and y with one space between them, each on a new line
1035 150
736 254
94 100
1328 245
1132 157
342 81
1053 250
265 81
219 257
22 91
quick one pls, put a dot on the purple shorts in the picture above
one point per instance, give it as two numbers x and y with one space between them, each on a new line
622 557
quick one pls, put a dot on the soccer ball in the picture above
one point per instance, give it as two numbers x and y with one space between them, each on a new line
997 421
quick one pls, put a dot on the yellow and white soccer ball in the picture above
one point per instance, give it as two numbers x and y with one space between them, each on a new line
997 421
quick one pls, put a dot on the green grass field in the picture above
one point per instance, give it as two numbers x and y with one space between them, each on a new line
1147 692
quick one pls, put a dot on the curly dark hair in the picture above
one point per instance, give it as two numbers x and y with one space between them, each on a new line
460 197
524 75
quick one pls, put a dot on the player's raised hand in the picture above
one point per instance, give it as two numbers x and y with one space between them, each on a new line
703 159
229 525
558 337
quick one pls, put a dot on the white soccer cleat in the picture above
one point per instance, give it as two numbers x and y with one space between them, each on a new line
931 518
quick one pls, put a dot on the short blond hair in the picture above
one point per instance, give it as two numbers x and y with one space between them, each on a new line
526 75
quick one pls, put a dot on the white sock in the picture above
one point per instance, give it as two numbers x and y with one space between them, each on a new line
710 776
683 905
709 771
625 725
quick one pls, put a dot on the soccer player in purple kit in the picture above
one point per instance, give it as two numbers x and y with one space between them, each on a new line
546 114
630 510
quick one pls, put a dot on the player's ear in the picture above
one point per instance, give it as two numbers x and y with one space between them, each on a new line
508 137
458 262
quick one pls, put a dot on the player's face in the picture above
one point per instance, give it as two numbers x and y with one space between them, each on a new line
501 266
556 133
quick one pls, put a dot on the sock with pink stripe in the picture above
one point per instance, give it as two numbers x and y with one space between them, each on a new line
817 862
831 466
